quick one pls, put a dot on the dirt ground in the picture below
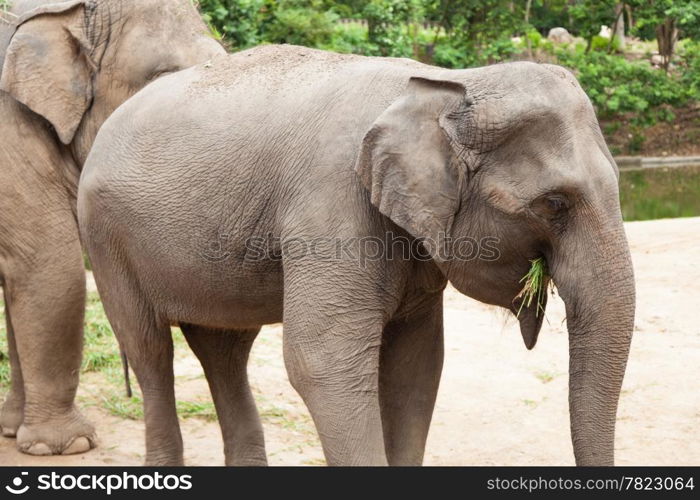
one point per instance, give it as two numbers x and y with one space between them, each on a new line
498 403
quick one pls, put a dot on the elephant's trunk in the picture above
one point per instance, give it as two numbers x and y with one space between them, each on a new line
595 278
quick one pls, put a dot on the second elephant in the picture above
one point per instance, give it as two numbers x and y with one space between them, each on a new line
65 66
244 192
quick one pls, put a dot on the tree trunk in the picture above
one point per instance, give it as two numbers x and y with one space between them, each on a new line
528 6
618 32
666 36
630 19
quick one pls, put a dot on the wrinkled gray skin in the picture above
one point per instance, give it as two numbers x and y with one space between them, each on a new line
288 142
67 67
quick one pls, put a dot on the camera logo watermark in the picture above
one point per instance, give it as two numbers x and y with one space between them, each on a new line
215 252
17 488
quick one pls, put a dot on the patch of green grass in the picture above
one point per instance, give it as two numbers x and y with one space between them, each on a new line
179 341
273 412
545 377
530 403
101 359
281 417
535 287
101 350
4 356
314 461
197 409
132 408
4 371
123 407
86 262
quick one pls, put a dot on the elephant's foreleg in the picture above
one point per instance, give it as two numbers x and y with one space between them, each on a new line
409 374
331 351
12 411
46 302
224 357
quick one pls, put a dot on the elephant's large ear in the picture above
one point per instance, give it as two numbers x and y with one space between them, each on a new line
407 160
48 66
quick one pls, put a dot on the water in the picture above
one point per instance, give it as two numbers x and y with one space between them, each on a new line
658 193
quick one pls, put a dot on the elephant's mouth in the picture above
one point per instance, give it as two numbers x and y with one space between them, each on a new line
531 301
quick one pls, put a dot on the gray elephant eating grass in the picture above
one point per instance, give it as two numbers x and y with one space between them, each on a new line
65 67
293 143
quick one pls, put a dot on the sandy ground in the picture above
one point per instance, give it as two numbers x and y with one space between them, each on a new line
498 403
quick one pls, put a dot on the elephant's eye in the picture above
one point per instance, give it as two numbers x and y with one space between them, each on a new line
556 203
552 205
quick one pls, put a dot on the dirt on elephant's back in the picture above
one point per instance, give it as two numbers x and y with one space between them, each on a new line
498 404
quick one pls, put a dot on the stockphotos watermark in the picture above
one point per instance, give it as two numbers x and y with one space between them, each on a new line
363 250
105 483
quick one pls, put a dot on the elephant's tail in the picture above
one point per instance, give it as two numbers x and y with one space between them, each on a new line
125 364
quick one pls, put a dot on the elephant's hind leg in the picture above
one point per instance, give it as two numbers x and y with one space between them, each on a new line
409 374
224 357
148 346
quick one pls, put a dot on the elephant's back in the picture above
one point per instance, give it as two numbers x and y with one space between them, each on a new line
293 72
281 115
273 94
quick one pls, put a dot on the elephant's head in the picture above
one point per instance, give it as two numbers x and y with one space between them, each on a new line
76 61
514 152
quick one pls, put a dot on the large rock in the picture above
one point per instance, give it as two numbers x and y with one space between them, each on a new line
560 35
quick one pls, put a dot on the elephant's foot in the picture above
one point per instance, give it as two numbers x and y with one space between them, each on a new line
247 462
247 454
61 435
11 415
164 458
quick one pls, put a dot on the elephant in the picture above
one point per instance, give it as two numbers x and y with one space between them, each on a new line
65 67
244 191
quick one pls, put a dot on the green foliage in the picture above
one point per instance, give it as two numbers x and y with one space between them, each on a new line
454 55
618 86
689 67
547 14
603 44
236 21
451 55
300 26
245 23
651 13
350 39
387 21
589 15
